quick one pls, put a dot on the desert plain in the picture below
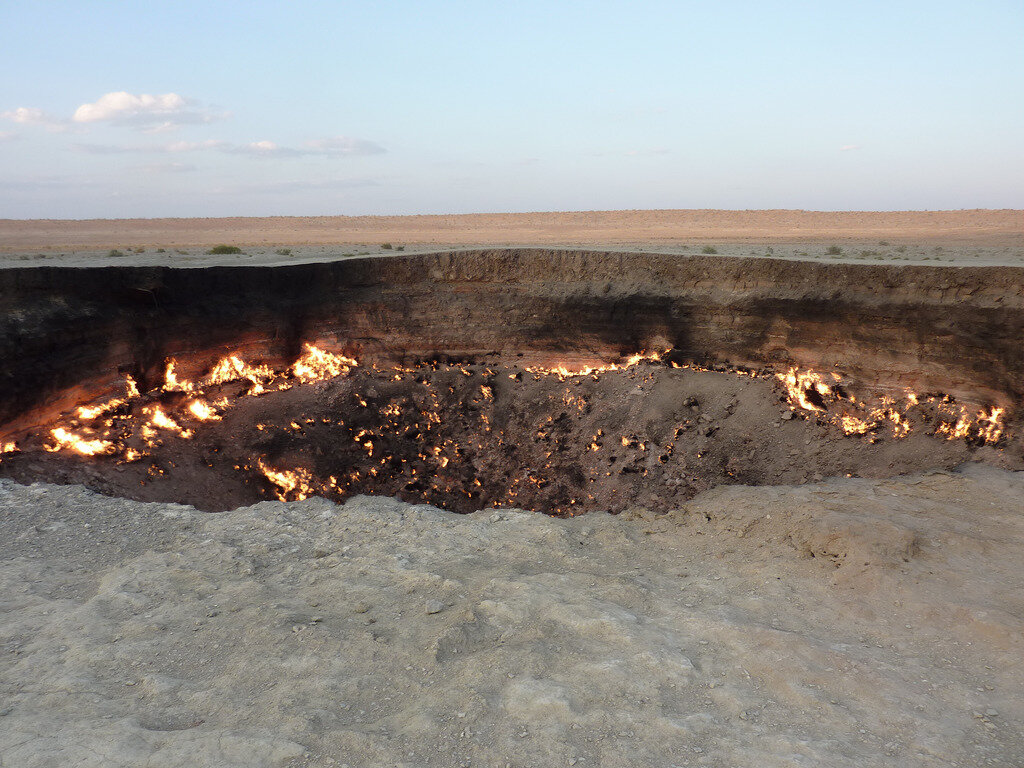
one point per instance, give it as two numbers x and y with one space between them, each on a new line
816 620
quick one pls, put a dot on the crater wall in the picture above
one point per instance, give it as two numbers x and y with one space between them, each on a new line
65 332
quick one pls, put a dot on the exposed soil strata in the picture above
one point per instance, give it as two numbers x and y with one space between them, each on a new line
67 334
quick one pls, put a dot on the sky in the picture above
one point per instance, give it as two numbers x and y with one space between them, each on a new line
142 109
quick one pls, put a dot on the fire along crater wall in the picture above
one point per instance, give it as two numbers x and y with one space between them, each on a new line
67 333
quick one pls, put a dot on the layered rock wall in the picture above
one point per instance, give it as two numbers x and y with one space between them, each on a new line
66 333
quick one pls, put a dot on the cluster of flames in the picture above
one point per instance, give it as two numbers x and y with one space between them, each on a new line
564 372
89 430
809 391
106 428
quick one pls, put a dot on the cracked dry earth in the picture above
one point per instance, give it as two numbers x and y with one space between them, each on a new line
849 623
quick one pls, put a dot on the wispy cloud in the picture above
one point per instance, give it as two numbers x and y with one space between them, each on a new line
301 185
187 146
849 147
342 145
48 183
167 167
35 116
262 149
339 146
8 136
632 152
147 112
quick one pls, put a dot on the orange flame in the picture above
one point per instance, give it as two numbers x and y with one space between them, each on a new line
317 365
77 443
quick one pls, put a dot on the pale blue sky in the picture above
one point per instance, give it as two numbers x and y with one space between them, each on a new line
318 108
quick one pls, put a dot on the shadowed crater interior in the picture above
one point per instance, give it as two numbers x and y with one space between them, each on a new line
558 381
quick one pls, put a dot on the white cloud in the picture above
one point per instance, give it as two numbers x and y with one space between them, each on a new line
104 149
303 185
264 149
190 146
167 167
342 145
152 113
849 147
34 116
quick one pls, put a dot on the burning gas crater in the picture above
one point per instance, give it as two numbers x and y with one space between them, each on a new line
652 430
809 391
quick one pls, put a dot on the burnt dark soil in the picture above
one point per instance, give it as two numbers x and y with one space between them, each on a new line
465 436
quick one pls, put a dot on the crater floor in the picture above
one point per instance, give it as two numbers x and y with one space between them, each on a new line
468 436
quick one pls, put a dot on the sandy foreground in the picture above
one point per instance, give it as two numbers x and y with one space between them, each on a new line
970 236
843 623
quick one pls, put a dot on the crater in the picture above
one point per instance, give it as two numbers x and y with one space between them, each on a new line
557 381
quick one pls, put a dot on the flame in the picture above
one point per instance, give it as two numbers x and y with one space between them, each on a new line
289 481
171 383
158 418
563 372
799 384
233 368
986 427
203 411
66 439
130 455
994 425
317 365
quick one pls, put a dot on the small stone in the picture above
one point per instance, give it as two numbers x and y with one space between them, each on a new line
787 415
991 713
361 607
434 606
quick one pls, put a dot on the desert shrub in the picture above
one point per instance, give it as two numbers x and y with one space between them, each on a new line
221 250
708 249
901 249
833 250
386 246
883 242
283 251
160 250
115 252
400 248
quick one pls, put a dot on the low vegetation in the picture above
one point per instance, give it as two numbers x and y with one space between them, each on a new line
709 249
221 250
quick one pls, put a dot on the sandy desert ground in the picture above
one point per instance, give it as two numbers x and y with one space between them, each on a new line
845 623
993 237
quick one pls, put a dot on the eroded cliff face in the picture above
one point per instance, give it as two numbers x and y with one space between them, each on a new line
468 380
65 334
